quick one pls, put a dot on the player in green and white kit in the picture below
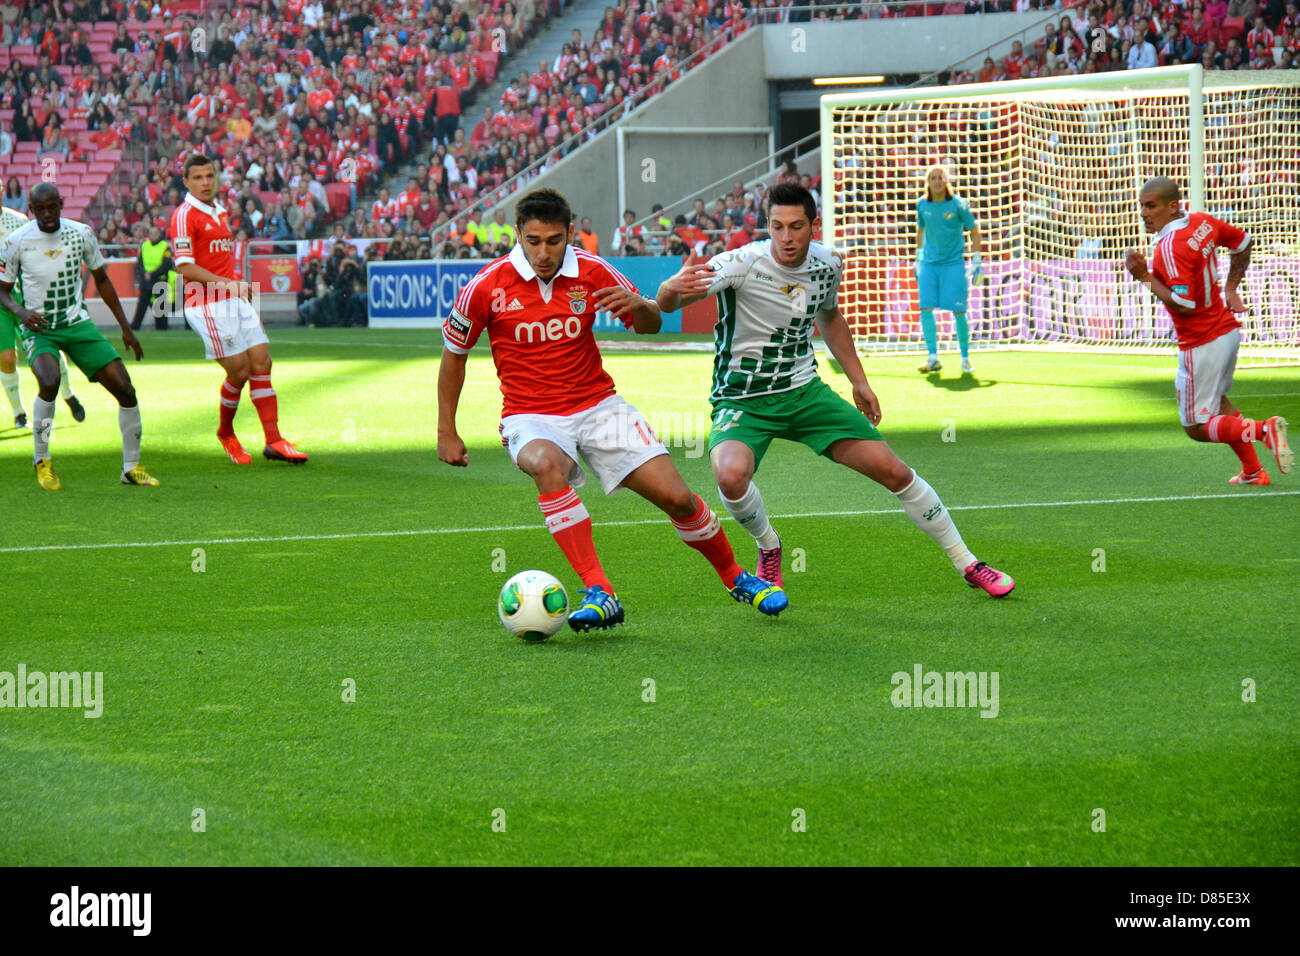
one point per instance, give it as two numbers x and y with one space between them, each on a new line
46 256
10 220
765 382
941 223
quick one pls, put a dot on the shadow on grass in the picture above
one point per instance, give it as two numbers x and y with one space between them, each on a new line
965 383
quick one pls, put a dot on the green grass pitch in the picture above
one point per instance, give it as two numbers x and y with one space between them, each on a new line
1120 689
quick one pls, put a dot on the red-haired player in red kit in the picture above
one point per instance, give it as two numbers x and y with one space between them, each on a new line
1183 277
218 306
538 305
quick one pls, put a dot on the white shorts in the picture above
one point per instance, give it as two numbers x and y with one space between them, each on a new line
612 437
227 327
1205 376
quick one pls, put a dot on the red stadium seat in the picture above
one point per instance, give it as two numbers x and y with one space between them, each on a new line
270 195
954 9
340 197
1232 27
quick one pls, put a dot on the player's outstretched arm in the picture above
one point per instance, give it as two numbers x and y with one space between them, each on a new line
645 314
1237 264
839 341
1136 263
690 284
106 292
451 379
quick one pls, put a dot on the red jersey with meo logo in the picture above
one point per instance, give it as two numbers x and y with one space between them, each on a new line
1184 260
200 234
540 333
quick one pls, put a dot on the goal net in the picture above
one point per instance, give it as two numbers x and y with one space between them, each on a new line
1051 168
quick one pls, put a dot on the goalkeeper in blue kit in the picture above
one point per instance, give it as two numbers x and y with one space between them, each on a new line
942 219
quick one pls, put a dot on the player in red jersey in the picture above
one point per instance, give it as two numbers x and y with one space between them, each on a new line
538 305
1183 277
218 306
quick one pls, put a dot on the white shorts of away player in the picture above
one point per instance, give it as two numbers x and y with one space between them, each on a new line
612 437
227 327
1205 376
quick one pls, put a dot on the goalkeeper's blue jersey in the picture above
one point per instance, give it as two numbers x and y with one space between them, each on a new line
945 225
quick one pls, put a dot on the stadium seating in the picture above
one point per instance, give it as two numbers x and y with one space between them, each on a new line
511 134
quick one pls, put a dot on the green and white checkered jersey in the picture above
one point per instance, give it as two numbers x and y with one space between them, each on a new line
49 267
10 220
763 339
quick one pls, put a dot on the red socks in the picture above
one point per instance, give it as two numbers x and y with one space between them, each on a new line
704 533
570 525
263 396
1238 433
229 405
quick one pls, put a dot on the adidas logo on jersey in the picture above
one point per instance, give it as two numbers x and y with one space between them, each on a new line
514 306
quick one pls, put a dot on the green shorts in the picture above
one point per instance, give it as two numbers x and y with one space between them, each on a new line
9 324
813 414
84 344
8 330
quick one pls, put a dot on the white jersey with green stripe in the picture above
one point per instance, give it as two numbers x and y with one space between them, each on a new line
48 264
763 337
11 219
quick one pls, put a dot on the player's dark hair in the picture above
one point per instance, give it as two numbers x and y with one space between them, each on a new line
43 191
792 194
543 205
1165 189
195 159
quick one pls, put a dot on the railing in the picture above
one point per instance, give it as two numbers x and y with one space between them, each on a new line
929 79
603 123
791 151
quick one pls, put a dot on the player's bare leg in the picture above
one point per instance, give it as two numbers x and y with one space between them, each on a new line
9 380
46 369
1230 427
570 525
268 408
877 461
115 379
659 482
733 470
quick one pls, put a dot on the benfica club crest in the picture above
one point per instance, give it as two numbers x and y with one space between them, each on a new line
578 302
280 277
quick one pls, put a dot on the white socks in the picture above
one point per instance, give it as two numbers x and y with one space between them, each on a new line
128 420
923 506
65 380
751 514
42 426
10 382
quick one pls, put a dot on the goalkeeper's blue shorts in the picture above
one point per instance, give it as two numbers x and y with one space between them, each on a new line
942 287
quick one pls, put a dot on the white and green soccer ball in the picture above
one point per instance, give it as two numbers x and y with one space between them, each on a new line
533 605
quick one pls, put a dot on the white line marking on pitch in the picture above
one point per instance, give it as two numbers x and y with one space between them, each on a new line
610 524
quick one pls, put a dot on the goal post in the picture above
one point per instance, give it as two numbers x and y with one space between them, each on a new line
1051 168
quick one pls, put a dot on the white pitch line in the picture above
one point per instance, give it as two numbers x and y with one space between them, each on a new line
610 524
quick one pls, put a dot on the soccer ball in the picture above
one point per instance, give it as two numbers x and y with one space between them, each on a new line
533 605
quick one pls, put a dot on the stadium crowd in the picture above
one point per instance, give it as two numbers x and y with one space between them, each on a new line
310 105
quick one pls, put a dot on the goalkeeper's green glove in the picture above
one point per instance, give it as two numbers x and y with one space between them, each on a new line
976 271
